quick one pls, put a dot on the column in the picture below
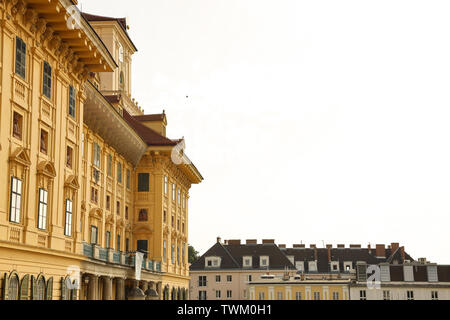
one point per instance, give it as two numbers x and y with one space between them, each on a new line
120 289
144 286
93 287
107 288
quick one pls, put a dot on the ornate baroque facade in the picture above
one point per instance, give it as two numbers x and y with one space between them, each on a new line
87 179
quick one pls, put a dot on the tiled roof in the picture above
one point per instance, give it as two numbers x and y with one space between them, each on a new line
232 256
122 22
151 117
151 137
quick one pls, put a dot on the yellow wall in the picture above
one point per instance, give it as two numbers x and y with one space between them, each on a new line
288 291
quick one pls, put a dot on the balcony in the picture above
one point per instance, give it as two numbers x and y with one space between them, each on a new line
112 257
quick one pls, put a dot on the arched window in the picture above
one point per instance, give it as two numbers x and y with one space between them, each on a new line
121 79
13 289
40 289
143 215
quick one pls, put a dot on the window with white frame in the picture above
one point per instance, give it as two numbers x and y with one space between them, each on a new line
264 261
16 200
218 278
179 197
348 266
184 200
261 296
335 295
42 209
212 262
316 295
68 223
229 278
434 295
247 262
165 185
386 295
97 152
334 266
298 296
202 281
218 294
410 295
279 295
229 294
173 191
249 278
300 266
312 266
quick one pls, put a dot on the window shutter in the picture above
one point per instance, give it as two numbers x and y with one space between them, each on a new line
24 286
34 295
63 289
5 287
49 289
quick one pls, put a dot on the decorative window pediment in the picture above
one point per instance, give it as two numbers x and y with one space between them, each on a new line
96 213
142 229
72 183
21 156
47 168
110 219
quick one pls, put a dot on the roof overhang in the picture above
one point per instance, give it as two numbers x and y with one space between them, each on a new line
60 25
102 118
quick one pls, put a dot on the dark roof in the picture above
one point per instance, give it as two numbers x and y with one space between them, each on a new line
113 98
232 256
151 117
121 21
444 273
151 137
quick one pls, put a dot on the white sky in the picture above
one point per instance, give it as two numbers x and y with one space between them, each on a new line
314 121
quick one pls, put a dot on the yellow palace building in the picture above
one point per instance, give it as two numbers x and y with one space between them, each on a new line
93 195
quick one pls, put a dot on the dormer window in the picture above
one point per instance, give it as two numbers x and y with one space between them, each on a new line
348 266
300 266
334 266
264 261
312 266
212 262
247 262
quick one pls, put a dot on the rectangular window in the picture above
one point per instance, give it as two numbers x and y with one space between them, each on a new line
165 185
128 178
16 200
434 295
47 80
386 295
335 295
126 212
202 295
44 142
94 195
362 295
298 296
173 192
173 254
143 182
97 152
183 255
108 203
127 245
178 256
279 295
229 278
42 210
261 296
229 294
108 239
119 172
94 233
110 165
218 293
118 208
316 295
118 243
17 126
72 102
184 200
69 157
218 278
21 57
68 225
202 281
165 250
179 197
410 295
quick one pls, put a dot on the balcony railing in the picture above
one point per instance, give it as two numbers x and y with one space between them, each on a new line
124 259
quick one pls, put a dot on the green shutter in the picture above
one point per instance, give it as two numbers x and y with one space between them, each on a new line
63 289
49 289
24 286
33 288
5 287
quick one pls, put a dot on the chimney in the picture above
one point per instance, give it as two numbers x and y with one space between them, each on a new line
329 247
219 240
355 246
341 246
251 241
381 250
299 246
234 242
312 246
266 241
402 251
156 122
394 247
282 246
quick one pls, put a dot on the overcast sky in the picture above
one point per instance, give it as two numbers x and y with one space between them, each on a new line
312 121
